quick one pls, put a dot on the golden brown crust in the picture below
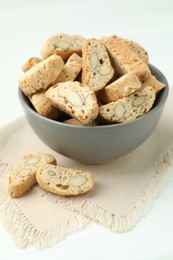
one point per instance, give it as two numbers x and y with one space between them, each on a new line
122 87
71 69
138 50
41 75
152 81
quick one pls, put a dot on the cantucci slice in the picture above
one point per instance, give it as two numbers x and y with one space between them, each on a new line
97 70
129 107
41 75
23 175
64 181
63 45
76 100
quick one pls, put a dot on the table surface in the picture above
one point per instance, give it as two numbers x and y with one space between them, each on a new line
24 27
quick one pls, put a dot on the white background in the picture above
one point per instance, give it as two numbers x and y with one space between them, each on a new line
24 25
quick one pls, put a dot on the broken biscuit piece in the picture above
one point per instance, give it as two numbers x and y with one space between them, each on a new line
97 70
43 105
23 176
77 100
31 62
129 107
152 81
64 181
122 87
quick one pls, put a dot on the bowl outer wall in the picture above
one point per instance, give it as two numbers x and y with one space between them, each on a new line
96 144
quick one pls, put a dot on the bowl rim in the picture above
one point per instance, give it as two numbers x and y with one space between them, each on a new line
22 97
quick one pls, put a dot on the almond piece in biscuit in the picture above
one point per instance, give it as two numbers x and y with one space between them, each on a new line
41 75
64 181
78 101
122 87
23 175
63 45
125 60
96 69
129 107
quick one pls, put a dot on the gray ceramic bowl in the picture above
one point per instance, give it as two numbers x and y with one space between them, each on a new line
96 144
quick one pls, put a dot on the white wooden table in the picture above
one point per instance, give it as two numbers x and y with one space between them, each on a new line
24 25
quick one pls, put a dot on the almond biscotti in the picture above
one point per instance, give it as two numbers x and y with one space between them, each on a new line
129 107
124 59
122 87
41 75
97 70
64 181
75 99
43 106
71 69
63 45
23 176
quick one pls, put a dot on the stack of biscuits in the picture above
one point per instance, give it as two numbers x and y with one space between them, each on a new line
90 81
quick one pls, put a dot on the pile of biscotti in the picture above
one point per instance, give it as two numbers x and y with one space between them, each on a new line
93 81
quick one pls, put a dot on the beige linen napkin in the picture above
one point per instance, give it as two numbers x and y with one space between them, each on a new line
123 191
